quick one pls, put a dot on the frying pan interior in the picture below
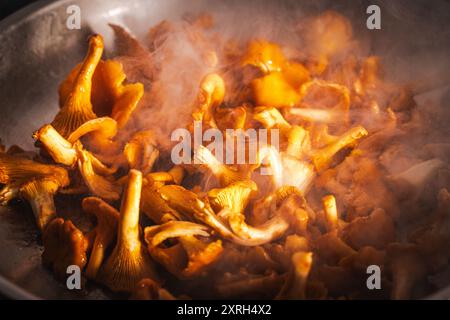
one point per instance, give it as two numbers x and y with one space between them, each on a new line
37 50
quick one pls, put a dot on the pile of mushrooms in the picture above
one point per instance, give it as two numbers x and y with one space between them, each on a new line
308 231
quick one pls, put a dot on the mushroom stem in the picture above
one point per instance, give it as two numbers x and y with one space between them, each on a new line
330 209
212 93
59 148
83 82
271 118
295 285
128 263
104 233
298 142
317 115
96 183
128 233
323 157
96 258
222 172
269 231
77 108
40 196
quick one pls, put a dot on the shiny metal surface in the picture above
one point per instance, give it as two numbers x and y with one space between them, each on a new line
37 50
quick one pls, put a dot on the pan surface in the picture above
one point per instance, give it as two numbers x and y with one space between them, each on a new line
37 50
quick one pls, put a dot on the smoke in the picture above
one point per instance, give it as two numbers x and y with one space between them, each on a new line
169 102
179 61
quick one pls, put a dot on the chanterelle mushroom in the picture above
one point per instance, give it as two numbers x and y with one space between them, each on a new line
35 182
332 221
64 245
102 186
128 262
77 108
290 213
230 118
270 118
224 174
148 289
267 56
104 232
211 95
320 88
188 203
153 205
110 96
199 254
95 174
322 158
141 152
295 285
407 267
235 196
57 147
98 134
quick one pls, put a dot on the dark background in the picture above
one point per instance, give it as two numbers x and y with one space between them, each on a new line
9 6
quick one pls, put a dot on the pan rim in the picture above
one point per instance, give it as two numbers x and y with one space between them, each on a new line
15 19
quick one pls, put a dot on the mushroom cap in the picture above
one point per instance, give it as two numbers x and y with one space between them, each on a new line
107 216
17 170
235 196
64 245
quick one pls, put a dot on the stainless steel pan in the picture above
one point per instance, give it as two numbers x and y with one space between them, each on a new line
37 50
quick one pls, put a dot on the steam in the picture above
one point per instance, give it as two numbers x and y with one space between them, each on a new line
182 58
180 63
405 116
169 102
